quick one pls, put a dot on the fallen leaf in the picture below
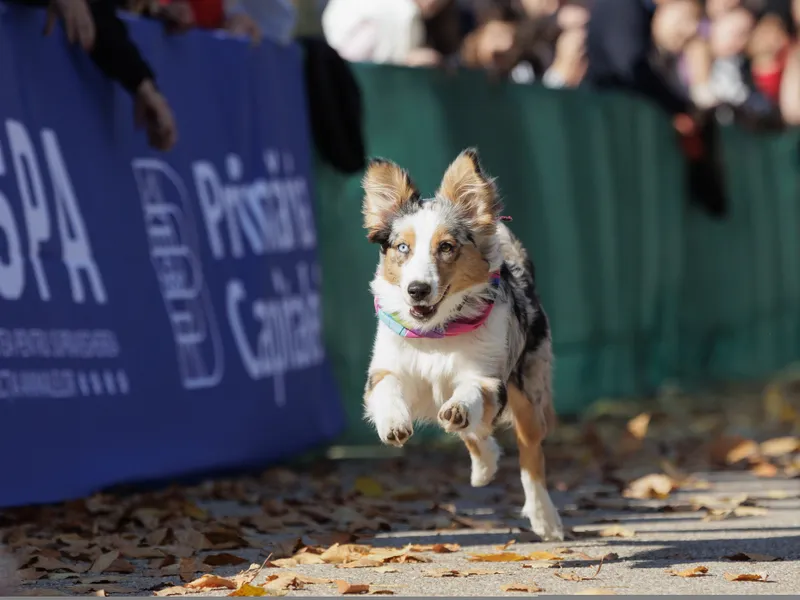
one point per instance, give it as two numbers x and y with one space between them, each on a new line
521 587
30 574
596 592
638 425
224 560
369 487
98 588
361 563
499 557
764 469
729 450
190 509
387 569
381 593
101 593
745 577
781 446
437 548
616 531
750 511
571 576
777 495
344 553
175 590
211 582
304 558
104 561
654 486
249 590
693 572
344 587
505 546
751 556
544 555
438 573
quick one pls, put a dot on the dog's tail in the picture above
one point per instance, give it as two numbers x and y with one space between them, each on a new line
9 580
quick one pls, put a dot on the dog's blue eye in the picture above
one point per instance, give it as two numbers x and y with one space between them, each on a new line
403 248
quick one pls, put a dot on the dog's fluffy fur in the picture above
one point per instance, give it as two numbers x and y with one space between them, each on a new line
498 374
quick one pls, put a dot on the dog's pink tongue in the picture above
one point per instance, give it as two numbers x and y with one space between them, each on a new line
423 311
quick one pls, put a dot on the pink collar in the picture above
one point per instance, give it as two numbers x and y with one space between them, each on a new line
453 328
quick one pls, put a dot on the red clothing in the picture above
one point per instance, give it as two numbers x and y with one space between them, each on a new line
208 14
769 81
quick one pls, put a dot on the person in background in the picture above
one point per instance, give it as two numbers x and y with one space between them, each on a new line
276 19
378 31
768 50
228 15
96 27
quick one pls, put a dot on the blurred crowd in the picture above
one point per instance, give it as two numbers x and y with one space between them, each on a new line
737 58
733 60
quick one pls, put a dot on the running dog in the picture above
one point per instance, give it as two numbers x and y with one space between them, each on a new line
462 338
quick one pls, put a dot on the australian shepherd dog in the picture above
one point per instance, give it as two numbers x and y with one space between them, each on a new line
462 337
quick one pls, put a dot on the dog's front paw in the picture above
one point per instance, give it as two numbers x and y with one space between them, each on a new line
454 416
396 436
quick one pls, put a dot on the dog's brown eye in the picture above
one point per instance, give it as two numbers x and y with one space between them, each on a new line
446 247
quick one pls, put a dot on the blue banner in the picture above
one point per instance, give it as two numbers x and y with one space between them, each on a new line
159 312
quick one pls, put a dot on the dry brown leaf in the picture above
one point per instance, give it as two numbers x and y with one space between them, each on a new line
363 562
438 573
301 558
728 450
745 577
693 572
596 592
781 446
211 582
751 556
175 590
104 561
224 559
764 469
776 495
521 587
571 576
498 557
638 425
505 546
381 593
750 511
249 590
616 531
344 553
655 486
437 548
387 569
544 555
345 587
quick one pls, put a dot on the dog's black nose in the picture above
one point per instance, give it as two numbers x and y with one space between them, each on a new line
418 290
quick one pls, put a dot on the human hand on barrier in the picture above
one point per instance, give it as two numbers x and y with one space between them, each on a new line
570 59
423 57
178 17
77 18
152 112
244 25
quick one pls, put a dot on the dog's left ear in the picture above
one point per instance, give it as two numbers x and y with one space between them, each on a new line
467 186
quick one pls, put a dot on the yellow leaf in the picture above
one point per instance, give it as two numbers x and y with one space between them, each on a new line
249 590
344 553
693 572
498 557
745 577
369 487
544 555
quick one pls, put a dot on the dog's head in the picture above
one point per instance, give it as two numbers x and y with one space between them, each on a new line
434 251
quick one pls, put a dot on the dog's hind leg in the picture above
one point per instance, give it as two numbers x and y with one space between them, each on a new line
532 413
484 453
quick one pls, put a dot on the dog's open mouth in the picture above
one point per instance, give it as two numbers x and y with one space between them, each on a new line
426 311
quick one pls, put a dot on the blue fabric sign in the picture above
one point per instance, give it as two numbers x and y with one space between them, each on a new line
159 312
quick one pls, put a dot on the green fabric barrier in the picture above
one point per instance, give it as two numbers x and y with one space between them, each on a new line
740 311
594 187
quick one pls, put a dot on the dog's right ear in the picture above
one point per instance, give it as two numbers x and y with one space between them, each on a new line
387 188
